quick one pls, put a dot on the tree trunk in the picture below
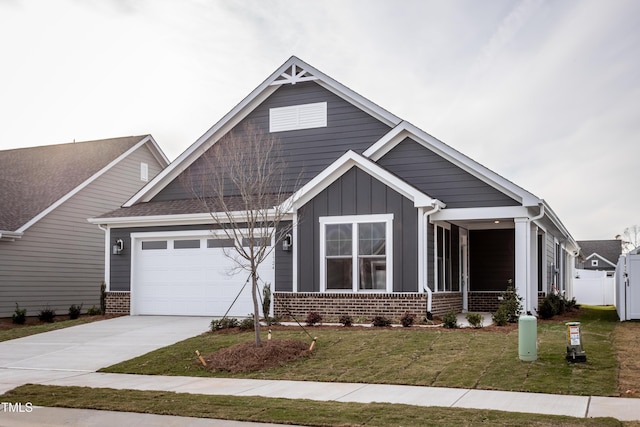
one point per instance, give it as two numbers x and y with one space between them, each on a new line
256 312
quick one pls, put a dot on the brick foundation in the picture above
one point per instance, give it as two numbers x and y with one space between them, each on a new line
363 306
484 301
118 303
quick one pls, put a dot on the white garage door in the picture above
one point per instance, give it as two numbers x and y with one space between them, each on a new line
191 275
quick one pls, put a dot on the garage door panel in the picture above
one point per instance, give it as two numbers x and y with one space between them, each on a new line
202 281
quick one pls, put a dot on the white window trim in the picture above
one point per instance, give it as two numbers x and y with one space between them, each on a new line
357 219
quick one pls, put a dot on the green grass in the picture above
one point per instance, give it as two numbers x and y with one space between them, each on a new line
25 331
418 356
304 412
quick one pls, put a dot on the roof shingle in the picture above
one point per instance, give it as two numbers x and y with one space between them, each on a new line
32 179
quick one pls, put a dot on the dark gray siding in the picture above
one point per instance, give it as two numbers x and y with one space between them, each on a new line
306 152
357 193
284 267
441 179
60 259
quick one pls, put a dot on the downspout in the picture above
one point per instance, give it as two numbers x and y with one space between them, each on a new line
436 207
107 261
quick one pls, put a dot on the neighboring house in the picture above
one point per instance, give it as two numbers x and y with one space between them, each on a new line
599 255
387 219
49 254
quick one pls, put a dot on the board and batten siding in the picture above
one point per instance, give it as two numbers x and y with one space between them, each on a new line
306 152
59 260
441 179
357 193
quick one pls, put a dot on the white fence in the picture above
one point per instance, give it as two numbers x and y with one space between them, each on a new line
593 287
628 286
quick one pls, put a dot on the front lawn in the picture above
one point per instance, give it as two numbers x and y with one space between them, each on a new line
481 359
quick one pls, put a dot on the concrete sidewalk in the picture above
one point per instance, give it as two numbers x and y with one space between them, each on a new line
534 403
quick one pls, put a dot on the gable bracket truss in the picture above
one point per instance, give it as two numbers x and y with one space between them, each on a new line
294 75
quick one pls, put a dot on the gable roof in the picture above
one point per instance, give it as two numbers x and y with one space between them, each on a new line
608 250
406 129
344 164
35 180
293 71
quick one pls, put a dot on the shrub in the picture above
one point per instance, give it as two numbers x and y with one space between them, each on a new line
450 320
474 319
224 323
346 320
547 309
275 320
381 321
407 319
500 317
93 311
313 318
46 314
74 311
19 316
511 304
246 324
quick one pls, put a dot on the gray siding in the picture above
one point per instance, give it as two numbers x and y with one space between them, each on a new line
284 269
60 260
357 193
441 179
306 152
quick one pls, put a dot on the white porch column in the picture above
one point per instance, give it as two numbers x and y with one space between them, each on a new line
523 262
533 269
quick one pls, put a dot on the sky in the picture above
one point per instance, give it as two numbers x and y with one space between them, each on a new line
545 93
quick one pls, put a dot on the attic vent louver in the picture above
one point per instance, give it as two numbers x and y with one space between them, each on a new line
295 117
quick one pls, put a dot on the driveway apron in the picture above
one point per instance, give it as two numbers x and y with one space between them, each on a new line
91 346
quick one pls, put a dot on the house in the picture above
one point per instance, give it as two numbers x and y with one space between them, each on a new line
423 227
49 254
599 255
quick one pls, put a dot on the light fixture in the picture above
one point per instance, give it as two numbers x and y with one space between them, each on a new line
497 221
118 246
287 242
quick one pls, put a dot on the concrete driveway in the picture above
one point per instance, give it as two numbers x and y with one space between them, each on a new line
89 347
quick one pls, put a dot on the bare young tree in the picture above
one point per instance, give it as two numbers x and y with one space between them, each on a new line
630 238
242 182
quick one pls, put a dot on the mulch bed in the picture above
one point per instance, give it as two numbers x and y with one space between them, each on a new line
6 323
247 357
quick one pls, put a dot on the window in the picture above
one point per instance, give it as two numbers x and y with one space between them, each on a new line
356 251
160 244
186 244
220 243
295 117
144 172
443 260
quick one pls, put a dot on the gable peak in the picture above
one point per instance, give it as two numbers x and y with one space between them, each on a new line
295 73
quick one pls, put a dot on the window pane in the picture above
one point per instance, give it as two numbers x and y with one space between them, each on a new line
338 239
339 273
162 244
373 273
371 238
220 243
186 244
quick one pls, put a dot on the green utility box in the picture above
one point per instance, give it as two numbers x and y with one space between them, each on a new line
528 338
575 352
